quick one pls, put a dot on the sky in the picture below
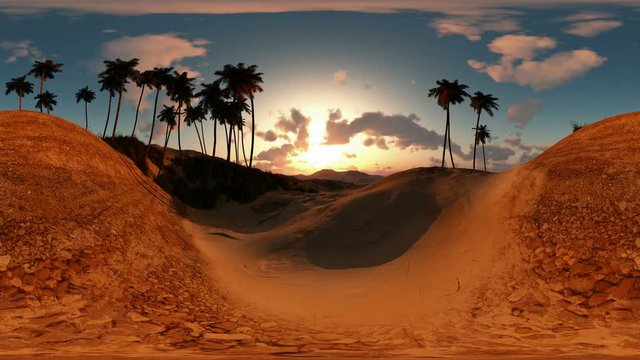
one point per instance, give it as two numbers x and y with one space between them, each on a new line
346 82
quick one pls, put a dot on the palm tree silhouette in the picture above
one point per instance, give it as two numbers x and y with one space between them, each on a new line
479 102
110 84
21 87
232 114
447 93
121 72
160 77
167 115
212 99
86 95
194 115
180 89
44 70
483 134
243 82
46 100
143 80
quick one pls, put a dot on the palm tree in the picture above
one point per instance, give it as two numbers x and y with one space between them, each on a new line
21 87
232 114
167 115
46 100
121 71
212 99
479 102
44 70
483 134
180 89
86 95
447 93
143 80
193 115
159 78
108 83
243 82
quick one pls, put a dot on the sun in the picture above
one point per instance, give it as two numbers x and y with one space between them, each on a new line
319 157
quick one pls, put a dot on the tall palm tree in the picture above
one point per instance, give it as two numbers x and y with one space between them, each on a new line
180 89
86 95
108 83
447 93
159 79
193 116
44 70
480 102
483 134
243 82
212 99
143 80
232 114
121 71
46 100
21 87
167 115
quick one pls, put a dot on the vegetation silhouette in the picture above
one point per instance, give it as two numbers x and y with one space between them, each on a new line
180 89
160 77
46 100
143 80
480 102
483 134
168 116
193 116
447 93
21 87
108 83
87 95
44 70
119 72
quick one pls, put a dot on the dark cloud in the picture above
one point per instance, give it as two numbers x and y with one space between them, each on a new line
521 114
404 130
269 135
297 124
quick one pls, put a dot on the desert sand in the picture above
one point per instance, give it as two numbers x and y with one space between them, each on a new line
538 261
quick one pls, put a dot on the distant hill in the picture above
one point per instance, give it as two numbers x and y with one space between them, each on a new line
352 176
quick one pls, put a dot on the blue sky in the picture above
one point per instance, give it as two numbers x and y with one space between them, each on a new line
348 89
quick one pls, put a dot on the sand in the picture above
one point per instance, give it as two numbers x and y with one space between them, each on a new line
537 261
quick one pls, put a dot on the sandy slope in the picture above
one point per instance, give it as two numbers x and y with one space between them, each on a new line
538 260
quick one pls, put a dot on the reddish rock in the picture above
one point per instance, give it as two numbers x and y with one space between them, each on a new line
623 291
581 284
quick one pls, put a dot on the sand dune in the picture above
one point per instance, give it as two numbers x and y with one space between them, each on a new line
542 259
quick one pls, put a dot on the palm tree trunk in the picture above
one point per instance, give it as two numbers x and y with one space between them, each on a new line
228 142
135 122
449 139
20 94
204 145
47 111
164 149
115 122
86 117
235 143
475 141
242 142
179 118
484 158
199 139
153 123
104 133
215 138
41 85
253 131
446 131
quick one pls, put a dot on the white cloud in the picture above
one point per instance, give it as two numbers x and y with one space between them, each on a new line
20 49
340 77
520 114
109 31
517 64
473 27
587 15
592 28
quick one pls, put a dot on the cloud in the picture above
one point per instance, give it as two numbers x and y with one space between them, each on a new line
269 135
520 114
350 155
473 27
109 31
586 15
20 49
517 64
138 7
297 124
340 77
592 28
403 129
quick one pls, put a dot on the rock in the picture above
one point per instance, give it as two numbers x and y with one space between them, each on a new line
626 267
228 337
134 316
517 295
4 262
581 284
267 325
638 242
226 325
622 205
598 299
623 291
582 268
